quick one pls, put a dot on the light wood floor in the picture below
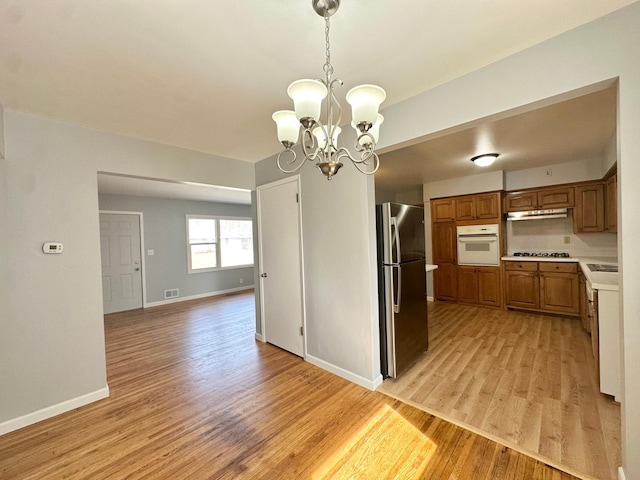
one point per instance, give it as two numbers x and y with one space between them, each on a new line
526 379
194 396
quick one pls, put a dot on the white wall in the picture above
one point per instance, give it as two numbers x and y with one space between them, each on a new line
610 156
165 233
568 172
410 197
338 225
1 132
562 67
549 235
482 182
52 355
384 196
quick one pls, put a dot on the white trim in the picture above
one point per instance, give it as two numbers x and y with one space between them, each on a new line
430 299
53 410
142 250
346 374
621 475
259 337
199 295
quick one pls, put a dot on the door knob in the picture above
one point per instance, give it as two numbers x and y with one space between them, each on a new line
264 275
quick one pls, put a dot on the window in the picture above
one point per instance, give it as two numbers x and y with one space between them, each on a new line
215 243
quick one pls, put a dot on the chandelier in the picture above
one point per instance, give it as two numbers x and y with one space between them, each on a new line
319 141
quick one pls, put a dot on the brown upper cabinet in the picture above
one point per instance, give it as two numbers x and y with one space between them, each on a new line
484 206
443 210
611 204
540 199
588 214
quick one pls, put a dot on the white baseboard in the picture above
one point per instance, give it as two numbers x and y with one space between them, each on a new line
341 372
53 410
430 299
259 337
621 475
195 297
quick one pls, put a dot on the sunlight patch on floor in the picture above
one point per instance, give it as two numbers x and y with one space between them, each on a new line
388 446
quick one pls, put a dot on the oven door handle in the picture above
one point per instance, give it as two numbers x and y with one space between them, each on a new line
477 239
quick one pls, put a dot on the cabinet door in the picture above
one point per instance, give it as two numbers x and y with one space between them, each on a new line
611 204
443 210
520 201
467 285
523 289
488 206
444 282
559 292
465 208
443 235
562 197
489 286
584 303
588 216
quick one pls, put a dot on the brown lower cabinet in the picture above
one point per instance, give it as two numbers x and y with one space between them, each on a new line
445 282
479 286
543 286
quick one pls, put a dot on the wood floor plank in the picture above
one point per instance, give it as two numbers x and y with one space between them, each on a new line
528 380
194 396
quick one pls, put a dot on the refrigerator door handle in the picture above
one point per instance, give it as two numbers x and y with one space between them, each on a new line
396 303
395 239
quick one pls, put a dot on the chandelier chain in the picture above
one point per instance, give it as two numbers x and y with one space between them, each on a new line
328 68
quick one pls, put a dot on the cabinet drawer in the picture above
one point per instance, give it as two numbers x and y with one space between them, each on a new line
523 266
564 267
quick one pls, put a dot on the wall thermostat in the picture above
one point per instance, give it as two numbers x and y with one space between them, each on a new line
52 247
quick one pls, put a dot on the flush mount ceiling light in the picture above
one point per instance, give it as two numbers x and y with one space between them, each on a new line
320 141
485 159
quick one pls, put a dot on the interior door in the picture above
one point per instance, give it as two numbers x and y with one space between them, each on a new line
280 246
121 270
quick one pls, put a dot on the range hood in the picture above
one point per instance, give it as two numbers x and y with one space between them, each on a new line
537 214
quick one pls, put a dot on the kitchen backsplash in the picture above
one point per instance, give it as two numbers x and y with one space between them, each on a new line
548 235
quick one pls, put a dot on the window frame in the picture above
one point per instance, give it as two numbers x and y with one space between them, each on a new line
217 243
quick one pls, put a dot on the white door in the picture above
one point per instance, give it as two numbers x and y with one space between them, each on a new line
280 246
121 269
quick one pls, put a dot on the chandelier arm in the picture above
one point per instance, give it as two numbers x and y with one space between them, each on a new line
341 153
293 160
364 160
312 157
376 164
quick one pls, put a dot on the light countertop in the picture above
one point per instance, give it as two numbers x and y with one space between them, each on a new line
598 280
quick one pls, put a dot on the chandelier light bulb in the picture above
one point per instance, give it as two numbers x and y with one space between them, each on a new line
365 101
374 131
288 126
307 96
318 132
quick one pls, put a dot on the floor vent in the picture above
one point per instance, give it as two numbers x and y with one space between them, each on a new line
173 293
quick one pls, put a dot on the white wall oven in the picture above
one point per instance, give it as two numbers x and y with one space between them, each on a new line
479 245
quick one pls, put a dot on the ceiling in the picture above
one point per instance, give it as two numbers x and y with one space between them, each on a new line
207 76
576 129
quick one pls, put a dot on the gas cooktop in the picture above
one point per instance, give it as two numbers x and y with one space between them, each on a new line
542 254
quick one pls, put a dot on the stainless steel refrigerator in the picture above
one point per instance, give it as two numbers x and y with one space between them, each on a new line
401 286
